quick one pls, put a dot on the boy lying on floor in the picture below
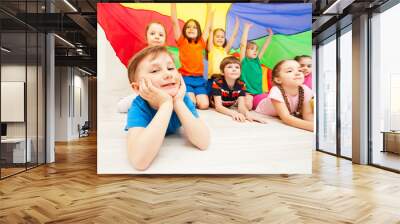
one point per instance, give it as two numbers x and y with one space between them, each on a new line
161 107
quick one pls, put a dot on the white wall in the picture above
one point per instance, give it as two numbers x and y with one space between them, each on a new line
79 117
62 81
70 83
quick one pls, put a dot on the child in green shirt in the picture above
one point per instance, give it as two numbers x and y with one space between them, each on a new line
251 66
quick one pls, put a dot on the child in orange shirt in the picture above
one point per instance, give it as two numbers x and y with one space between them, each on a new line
191 43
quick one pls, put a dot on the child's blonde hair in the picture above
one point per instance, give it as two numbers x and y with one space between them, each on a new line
138 57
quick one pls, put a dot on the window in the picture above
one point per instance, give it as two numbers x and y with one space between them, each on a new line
346 92
385 89
327 95
22 65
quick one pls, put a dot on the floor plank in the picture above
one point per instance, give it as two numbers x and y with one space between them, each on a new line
70 191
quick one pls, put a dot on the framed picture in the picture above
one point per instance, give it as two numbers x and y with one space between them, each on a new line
235 125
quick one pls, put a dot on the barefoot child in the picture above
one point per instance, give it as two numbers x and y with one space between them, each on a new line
228 91
161 107
289 99
191 44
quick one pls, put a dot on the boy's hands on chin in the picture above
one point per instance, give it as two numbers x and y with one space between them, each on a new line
153 95
181 91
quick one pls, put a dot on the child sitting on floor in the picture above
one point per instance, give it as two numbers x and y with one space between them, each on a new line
229 91
218 48
251 65
160 108
191 43
289 99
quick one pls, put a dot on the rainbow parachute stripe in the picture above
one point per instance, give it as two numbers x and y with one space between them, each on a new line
124 25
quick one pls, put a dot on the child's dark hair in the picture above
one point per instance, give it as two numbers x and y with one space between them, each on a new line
275 73
198 31
138 57
229 60
155 22
298 58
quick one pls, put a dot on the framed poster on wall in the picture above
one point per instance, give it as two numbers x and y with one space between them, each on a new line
12 101
236 143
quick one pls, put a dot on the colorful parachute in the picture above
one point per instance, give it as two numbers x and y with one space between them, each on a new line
124 25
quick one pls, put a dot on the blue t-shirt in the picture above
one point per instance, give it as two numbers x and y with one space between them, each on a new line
140 114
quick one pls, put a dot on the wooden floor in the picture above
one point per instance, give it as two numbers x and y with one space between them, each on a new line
70 191
10 171
387 159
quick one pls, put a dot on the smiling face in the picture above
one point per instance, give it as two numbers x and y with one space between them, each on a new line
161 71
289 74
306 65
232 71
219 38
155 35
251 50
191 30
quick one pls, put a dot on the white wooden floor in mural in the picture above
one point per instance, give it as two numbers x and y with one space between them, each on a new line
236 148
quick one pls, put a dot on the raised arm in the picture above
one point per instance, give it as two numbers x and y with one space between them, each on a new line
175 22
289 119
233 37
144 143
266 44
210 43
243 41
209 17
